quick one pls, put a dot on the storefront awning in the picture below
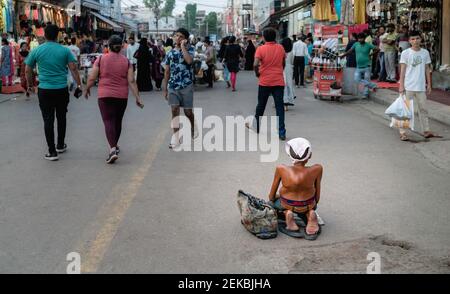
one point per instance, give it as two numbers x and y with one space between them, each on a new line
291 9
115 26
91 4
126 26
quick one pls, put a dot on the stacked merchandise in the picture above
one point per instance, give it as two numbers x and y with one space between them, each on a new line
326 62
384 13
326 53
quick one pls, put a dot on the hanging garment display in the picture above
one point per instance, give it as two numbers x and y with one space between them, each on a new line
324 10
346 12
9 16
2 26
337 6
333 16
360 11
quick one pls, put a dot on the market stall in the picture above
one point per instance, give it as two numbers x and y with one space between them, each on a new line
328 66
420 15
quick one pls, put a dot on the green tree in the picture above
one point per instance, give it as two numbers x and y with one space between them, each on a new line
155 7
211 23
169 6
190 15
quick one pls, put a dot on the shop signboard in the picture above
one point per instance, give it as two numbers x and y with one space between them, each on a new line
332 31
328 31
213 37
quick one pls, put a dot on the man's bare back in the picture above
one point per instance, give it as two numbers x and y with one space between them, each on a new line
298 182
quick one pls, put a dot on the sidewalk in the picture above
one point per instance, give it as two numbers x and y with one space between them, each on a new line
437 111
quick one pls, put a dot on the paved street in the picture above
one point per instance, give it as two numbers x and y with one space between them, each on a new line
160 211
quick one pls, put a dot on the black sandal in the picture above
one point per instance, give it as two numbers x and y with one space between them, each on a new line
282 227
313 237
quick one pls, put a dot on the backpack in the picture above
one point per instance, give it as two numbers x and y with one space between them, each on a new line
258 217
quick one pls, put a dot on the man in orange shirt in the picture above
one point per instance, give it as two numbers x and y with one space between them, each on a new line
269 67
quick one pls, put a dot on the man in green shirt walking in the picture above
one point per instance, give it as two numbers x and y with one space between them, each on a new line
53 59
363 63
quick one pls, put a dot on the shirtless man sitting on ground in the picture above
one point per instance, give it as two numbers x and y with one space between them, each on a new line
300 188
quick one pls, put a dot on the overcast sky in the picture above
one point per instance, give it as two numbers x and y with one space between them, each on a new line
209 5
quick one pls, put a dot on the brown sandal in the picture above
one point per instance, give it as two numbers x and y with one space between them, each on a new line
404 138
429 135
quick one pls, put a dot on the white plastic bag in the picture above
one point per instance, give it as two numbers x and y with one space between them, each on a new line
204 66
399 112
401 109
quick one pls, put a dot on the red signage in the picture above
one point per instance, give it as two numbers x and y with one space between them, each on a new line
328 31
332 31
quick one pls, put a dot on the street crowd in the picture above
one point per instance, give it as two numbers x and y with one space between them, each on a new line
175 65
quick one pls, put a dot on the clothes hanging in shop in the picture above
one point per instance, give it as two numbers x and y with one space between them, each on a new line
323 10
1 18
337 6
9 18
360 11
346 12
334 16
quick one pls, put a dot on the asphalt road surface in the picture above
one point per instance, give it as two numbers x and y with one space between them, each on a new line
160 211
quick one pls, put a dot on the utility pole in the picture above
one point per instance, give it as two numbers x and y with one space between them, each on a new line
232 16
157 13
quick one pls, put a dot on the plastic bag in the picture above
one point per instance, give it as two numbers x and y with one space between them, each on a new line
204 66
402 113
402 124
401 109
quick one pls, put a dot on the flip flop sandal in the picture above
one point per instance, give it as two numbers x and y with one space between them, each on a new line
295 234
429 136
298 220
313 237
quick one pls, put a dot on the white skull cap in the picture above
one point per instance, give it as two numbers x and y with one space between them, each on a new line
299 147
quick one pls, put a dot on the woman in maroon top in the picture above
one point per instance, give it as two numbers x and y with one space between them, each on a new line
115 74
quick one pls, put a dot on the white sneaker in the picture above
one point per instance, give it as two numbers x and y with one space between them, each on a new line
174 142
196 133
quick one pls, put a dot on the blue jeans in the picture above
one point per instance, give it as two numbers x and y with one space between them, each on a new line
364 81
263 95
382 73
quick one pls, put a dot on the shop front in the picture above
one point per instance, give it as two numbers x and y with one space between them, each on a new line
423 16
104 27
